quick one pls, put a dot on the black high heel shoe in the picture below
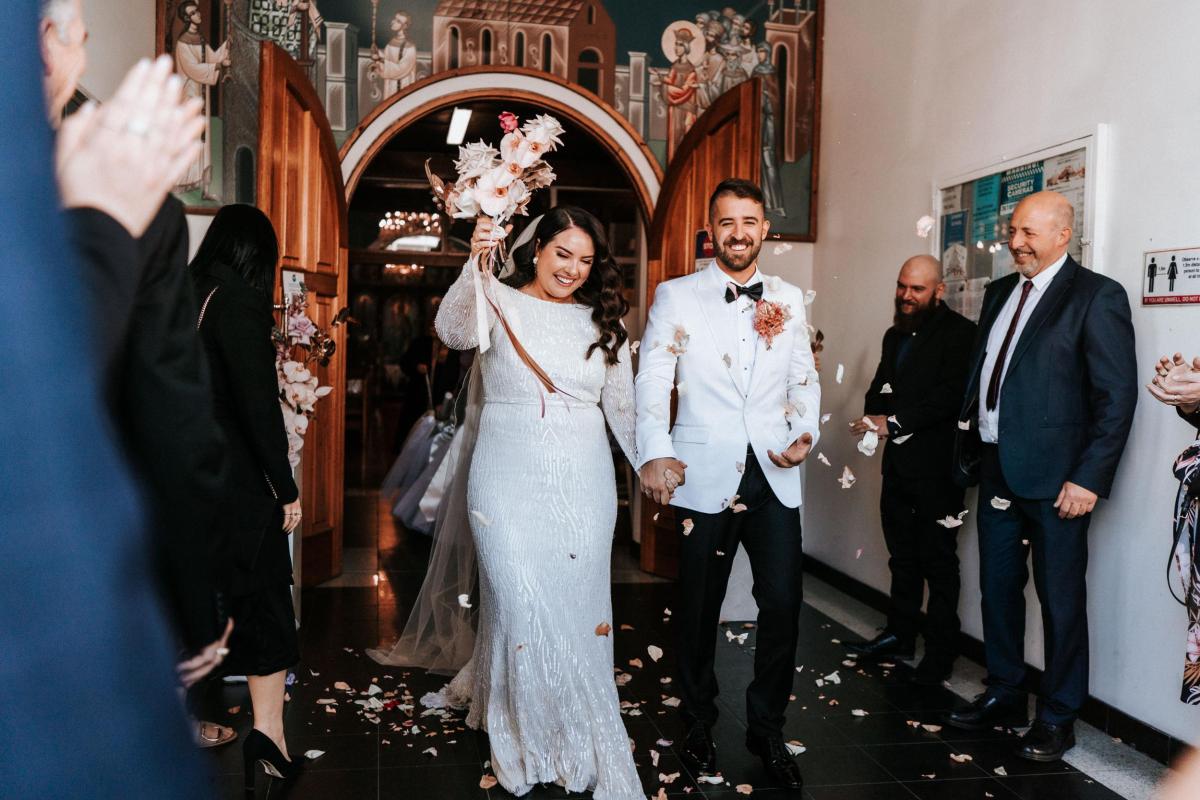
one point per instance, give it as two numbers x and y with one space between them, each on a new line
257 748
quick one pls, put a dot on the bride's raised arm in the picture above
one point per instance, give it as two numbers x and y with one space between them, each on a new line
617 401
464 317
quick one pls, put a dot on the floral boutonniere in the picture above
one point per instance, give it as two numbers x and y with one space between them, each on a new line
770 319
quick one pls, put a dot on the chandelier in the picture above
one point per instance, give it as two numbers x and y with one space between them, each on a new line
409 230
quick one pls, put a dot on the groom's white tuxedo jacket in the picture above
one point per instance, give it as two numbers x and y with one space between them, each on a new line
692 341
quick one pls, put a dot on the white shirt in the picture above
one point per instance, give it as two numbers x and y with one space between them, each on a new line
989 421
743 311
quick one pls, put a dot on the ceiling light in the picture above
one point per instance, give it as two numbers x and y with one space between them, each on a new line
458 126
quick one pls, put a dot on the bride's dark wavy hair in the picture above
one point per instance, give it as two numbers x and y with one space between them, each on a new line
601 290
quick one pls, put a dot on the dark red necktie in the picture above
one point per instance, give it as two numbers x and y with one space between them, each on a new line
993 392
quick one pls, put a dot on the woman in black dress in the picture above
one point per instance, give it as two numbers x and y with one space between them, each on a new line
234 274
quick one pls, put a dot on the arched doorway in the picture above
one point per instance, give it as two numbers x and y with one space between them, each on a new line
397 284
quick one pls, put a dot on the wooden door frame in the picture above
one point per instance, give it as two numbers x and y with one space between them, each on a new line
276 66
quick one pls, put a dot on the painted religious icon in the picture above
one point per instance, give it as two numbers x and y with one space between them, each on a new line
396 64
684 44
201 64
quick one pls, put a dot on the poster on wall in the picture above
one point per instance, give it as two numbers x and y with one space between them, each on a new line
1171 277
659 65
975 216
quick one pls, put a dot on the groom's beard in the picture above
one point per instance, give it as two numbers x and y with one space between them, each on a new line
738 262
912 320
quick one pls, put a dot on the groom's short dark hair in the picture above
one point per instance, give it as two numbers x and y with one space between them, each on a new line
738 187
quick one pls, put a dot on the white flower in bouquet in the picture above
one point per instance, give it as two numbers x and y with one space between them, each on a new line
295 445
295 372
492 192
543 130
515 148
474 160
462 203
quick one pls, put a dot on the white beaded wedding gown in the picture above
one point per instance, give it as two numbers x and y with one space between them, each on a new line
543 507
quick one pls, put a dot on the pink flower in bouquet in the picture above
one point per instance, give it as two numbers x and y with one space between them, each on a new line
300 328
770 319
508 121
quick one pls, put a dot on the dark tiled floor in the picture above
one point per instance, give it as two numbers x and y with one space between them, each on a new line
876 756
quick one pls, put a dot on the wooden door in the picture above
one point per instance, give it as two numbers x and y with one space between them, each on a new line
300 189
723 143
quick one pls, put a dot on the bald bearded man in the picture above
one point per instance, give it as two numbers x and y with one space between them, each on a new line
912 404
1047 412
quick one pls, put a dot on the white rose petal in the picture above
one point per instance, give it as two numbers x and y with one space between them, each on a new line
1000 504
655 652
924 226
794 747
809 296
825 418
949 522
821 457
847 480
464 600
858 712
869 443
886 389
964 425
312 755
781 248
841 373
902 439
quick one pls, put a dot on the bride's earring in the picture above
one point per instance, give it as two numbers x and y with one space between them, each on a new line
535 261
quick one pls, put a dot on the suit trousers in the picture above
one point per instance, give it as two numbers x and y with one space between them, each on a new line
770 532
1060 557
921 551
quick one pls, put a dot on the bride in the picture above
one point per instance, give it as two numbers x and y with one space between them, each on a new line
541 497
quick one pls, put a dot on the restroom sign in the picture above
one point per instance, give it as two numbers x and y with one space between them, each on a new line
1171 277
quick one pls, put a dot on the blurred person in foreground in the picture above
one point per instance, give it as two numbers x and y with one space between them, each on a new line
144 316
86 680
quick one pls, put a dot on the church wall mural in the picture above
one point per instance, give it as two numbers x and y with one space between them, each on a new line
659 64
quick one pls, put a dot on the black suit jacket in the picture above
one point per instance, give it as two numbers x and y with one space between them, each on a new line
158 392
1067 400
926 393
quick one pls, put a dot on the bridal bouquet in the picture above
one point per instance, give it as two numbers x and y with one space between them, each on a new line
297 344
500 183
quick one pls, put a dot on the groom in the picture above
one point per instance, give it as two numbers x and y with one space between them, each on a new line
734 344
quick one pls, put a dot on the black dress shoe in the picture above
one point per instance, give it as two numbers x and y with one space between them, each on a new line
988 711
699 752
779 763
1046 741
933 670
883 647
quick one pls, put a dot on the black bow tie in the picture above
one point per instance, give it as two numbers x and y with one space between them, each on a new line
733 291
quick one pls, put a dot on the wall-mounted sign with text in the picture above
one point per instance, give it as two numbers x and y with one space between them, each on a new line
1171 277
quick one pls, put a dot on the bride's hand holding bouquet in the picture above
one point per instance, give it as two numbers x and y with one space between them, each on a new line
486 238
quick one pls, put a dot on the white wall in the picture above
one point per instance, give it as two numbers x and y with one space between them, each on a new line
920 89
119 33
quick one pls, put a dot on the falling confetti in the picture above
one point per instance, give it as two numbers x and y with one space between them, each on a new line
603 629
740 466
858 712
960 758
744 788
655 652
341 686
1001 771
949 522
809 296
931 728
633 346
821 457
1000 504
668 779
869 443
781 248
902 439
679 346
885 389
825 418
794 747
671 702
654 758
924 226
464 600
858 554
714 780
841 373
687 526
431 751
834 678
636 663
964 425
847 480
313 755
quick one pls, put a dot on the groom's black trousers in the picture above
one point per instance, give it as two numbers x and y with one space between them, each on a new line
770 532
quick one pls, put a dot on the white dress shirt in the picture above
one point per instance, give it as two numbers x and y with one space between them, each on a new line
743 308
989 421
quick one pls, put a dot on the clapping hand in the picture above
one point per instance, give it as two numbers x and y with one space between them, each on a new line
206 660
794 455
1177 383
124 156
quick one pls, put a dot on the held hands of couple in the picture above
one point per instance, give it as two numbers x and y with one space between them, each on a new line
795 453
1177 383
660 478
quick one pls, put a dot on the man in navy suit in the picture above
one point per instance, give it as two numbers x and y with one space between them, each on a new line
1048 409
